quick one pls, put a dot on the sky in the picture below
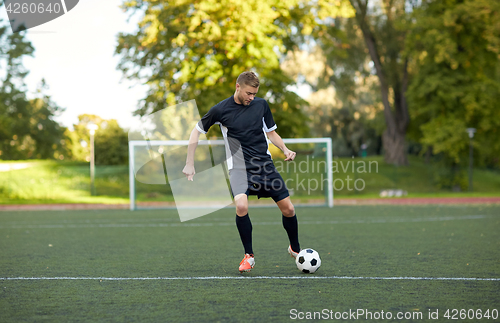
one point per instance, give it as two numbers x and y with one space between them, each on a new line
75 55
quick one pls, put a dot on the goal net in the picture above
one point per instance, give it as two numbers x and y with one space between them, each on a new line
157 181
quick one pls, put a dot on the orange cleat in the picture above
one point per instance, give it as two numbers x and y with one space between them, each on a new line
247 263
292 253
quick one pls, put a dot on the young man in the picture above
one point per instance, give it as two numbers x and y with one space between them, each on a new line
245 120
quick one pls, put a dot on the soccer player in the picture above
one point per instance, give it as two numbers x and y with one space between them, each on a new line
245 120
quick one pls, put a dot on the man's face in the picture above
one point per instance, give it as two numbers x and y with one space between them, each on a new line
245 93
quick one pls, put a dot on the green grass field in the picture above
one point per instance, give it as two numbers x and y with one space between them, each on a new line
391 242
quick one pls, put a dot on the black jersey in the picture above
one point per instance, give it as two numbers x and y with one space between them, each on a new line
245 127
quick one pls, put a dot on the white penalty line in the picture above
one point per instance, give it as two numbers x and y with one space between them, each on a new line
254 278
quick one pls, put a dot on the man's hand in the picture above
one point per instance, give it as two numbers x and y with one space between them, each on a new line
278 142
189 172
290 155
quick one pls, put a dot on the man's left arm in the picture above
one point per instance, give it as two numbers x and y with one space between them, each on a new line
278 142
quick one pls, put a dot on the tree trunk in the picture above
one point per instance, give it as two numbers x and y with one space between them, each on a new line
396 119
394 148
428 154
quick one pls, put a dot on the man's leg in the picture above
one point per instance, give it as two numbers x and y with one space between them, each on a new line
243 222
290 222
244 226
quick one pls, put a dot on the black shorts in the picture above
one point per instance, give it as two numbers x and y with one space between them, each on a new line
267 183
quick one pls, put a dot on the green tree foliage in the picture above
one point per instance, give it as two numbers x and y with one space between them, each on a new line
27 129
110 140
457 78
195 50
111 144
342 104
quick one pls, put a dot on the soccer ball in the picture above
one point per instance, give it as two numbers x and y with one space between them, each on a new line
308 261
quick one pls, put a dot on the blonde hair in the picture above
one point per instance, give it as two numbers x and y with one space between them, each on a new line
248 78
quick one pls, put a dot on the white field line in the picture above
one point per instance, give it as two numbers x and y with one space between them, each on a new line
254 277
210 224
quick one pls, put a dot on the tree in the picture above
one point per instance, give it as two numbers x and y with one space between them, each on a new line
384 27
111 144
456 84
111 141
27 129
342 102
195 50
47 134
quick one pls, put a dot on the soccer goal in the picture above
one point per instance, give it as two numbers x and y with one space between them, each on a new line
156 178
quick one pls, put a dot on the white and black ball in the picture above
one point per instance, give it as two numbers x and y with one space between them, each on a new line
308 261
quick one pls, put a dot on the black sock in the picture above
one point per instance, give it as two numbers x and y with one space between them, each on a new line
292 229
244 226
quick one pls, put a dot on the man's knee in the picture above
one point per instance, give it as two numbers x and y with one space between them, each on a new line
241 210
288 210
241 202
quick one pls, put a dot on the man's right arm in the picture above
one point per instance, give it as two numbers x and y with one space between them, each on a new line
193 143
209 119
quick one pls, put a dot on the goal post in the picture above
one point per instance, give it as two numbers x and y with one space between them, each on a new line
154 174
